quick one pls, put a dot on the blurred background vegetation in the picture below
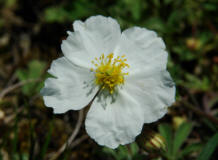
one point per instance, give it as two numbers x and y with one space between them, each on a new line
31 32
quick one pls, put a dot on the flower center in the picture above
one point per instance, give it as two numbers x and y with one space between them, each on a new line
108 72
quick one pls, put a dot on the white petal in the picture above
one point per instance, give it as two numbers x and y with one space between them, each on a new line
119 122
97 35
143 49
72 89
154 92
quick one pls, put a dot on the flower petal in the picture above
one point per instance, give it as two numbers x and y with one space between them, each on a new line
154 92
143 49
71 89
119 122
95 36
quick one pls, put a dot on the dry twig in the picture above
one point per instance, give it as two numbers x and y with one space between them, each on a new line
17 85
72 137
199 112
79 140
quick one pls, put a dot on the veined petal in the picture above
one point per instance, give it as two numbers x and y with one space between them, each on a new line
143 49
95 36
72 89
119 122
155 92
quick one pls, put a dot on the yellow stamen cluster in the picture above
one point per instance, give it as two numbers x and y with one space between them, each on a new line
108 71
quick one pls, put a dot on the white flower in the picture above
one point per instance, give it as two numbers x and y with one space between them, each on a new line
129 71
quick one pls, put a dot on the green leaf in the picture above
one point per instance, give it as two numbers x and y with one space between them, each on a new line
210 7
34 71
134 148
155 23
24 156
136 8
69 12
21 74
210 125
10 3
110 152
47 141
194 82
166 131
180 136
55 14
189 149
168 1
209 148
123 152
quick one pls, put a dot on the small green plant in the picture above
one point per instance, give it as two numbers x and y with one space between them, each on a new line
175 141
209 148
125 153
33 72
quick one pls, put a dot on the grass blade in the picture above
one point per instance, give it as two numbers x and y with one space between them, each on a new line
209 148
180 136
47 141
166 131
189 149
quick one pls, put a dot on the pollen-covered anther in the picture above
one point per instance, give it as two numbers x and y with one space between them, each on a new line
109 71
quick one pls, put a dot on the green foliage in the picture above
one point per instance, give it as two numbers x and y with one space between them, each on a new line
56 14
209 148
125 153
20 157
62 13
174 141
47 141
33 72
196 83
180 136
157 24
189 149
167 133
8 3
